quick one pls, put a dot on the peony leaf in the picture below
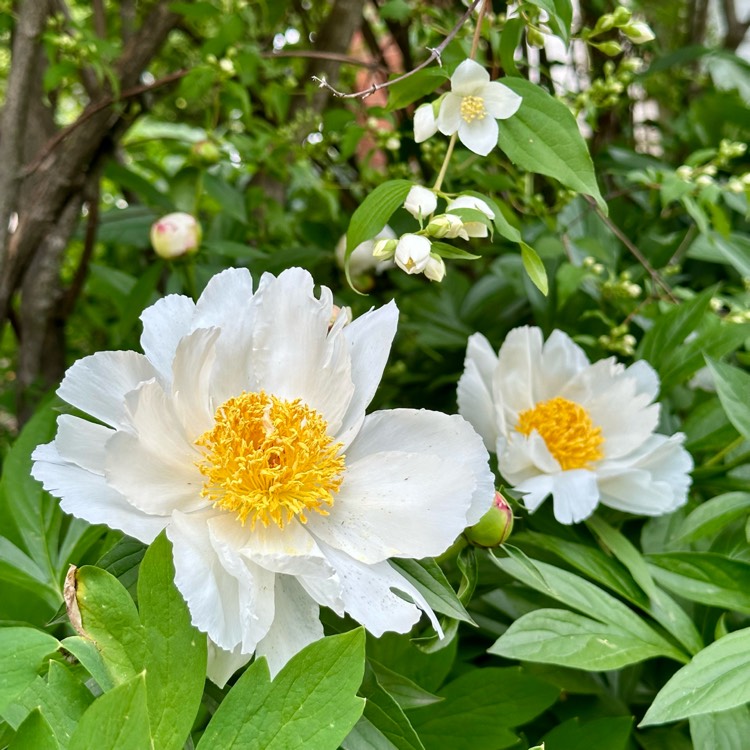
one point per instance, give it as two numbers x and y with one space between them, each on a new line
175 657
543 137
610 733
717 679
312 702
733 387
35 734
713 515
117 720
723 730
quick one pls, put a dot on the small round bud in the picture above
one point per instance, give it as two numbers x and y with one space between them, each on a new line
435 268
175 235
494 527
206 152
621 15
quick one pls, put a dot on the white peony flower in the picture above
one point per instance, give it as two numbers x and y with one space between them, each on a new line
362 260
425 125
581 432
412 253
242 432
420 202
175 235
472 228
473 105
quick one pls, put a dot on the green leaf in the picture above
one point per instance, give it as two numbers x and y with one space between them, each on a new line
535 268
34 734
610 733
86 652
231 200
406 692
479 709
130 180
444 250
427 576
502 225
175 651
543 137
373 214
557 636
560 16
725 730
110 619
383 724
733 387
705 577
509 41
117 720
312 702
22 651
712 516
420 84
717 679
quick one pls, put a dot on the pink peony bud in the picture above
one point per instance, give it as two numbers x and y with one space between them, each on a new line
494 527
175 235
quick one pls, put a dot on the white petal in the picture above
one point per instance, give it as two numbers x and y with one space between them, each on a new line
294 355
651 481
561 361
155 465
82 442
164 324
295 626
515 383
98 384
370 337
449 116
420 202
479 136
475 402
226 304
524 456
425 125
574 493
646 378
86 495
469 78
192 370
471 201
222 664
499 101
368 593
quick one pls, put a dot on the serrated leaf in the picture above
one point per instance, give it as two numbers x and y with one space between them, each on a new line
733 387
175 652
534 267
312 702
543 137
117 720
717 679
22 651
427 576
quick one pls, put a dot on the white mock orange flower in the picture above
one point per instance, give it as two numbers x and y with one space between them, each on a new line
580 432
412 253
473 106
242 432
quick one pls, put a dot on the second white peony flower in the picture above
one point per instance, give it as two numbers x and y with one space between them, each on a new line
242 431
580 432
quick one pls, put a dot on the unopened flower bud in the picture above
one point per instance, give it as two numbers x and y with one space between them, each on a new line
425 123
206 152
621 15
610 48
605 23
704 180
435 268
534 37
638 32
175 235
384 248
684 172
447 225
420 202
494 527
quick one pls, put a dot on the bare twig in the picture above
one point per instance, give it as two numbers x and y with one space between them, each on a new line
434 55
315 54
634 251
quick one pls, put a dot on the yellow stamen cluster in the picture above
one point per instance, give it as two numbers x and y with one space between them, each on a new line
472 108
269 460
567 430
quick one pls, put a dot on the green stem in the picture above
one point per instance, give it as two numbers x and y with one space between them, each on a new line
724 451
444 168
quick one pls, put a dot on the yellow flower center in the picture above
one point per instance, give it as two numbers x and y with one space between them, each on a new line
567 429
472 108
269 460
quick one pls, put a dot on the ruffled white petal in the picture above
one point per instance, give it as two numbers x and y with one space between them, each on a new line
561 361
368 594
575 494
500 101
524 456
164 324
475 402
82 442
449 116
517 373
295 626
222 664
469 78
293 355
86 495
99 383
480 135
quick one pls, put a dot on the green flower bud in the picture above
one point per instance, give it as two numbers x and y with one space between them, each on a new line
175 235
621 16
206 152
494 527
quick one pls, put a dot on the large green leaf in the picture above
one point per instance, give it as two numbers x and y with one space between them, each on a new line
608 733
312 702
21 653
733 387
34 734
712 516
725 730
543 137
717 679
175 657
117 720
480 708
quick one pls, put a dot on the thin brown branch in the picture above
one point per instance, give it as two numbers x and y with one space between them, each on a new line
736 29
435 54
316 55
634 251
